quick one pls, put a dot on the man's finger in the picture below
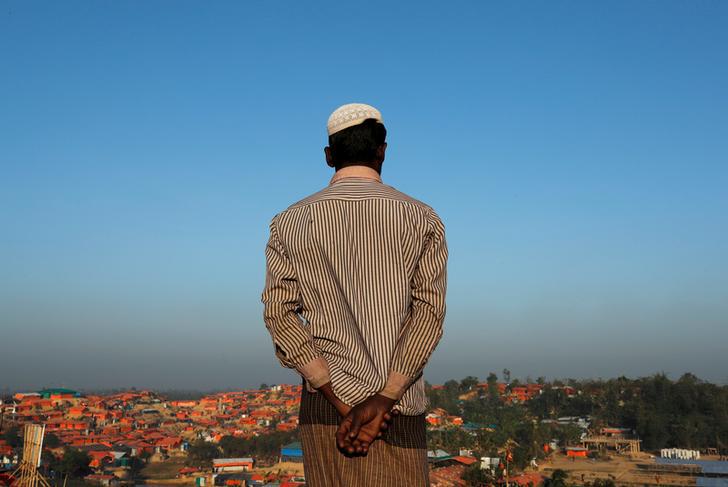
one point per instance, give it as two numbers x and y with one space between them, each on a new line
346 446
352 446
362 447
355 426
341 433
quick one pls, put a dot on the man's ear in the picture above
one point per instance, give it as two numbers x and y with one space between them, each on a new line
329 158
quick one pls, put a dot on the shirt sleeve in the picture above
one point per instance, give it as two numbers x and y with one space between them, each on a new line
281 298
422 332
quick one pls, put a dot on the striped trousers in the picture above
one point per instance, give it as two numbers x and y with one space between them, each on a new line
398 459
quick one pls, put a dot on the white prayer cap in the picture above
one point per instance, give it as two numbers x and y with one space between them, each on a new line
351 114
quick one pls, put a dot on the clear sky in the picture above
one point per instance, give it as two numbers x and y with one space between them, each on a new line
576 151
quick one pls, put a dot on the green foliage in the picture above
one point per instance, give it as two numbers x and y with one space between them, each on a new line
476 477
201 454
507 376
549 404
567 434
493 385
12 436
259 447
136 465
51 441
48 461
558 479
687 413
503 424
451 439
553 403
468 383
446 398
74 463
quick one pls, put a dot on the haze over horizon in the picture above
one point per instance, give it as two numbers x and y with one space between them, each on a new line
576 152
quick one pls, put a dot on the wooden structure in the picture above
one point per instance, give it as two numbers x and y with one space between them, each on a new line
27 474
622 445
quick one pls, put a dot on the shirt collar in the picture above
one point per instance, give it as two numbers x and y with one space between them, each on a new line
363 172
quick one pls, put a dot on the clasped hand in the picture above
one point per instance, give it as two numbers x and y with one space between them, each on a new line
364 423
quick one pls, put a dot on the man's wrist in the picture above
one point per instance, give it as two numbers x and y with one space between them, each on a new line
328 391
387 402
342 408
396 386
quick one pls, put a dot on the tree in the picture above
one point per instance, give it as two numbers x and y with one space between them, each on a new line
51 441
452 387
201 454
492 385
74 463
441 398
550 403
12 436
450 440
136 465
507 376
558 479
48 463
477 477
265 446
568 434
468 383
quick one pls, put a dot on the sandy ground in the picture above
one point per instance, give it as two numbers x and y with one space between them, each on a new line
283 467
166 470
622 469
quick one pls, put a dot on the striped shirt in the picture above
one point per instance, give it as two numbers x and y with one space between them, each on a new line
355 289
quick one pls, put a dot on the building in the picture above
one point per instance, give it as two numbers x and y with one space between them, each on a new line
292 452
222 465
59 393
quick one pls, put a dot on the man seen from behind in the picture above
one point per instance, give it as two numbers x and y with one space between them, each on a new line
354 300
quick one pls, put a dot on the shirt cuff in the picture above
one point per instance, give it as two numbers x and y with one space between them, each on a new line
316 372
396 386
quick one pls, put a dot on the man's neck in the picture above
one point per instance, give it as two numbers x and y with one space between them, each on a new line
364 172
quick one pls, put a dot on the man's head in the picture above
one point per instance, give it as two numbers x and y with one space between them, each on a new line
356 137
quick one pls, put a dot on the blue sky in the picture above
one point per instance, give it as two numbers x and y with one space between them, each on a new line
576 152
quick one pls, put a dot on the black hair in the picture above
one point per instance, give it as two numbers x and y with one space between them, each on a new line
357 144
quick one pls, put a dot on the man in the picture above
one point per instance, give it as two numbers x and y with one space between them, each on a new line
355 301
